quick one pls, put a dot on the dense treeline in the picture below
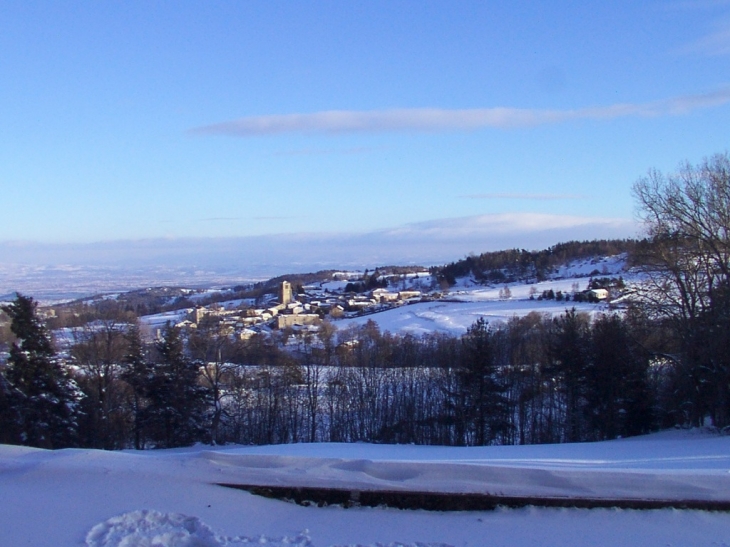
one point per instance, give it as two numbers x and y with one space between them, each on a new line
533 380
520 265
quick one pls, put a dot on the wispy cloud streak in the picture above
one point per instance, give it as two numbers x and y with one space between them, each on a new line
536 197
438 120
232 219
330 152
486 226
715 43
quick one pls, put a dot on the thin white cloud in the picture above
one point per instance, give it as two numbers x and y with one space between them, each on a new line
535 197
436 120
515 224
714 43
232 219
330 151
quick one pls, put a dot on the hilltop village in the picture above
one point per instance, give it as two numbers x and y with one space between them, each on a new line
302 306
414 299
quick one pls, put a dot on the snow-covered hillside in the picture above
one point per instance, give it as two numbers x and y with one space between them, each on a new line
169 499
455 317
464 303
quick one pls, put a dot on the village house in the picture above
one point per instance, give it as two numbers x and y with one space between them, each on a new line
300 319
599 294
405 295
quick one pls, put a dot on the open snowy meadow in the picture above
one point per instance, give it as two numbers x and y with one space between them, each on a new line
170 497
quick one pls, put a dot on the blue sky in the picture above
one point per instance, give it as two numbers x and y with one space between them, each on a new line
138 120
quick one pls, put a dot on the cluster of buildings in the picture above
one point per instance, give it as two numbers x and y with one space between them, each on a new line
303 309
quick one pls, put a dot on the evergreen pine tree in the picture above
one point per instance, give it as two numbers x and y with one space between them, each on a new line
43 398
482 391
177 402
137 374
618 397
9 416
569 362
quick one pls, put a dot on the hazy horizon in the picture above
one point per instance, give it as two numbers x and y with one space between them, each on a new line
51 270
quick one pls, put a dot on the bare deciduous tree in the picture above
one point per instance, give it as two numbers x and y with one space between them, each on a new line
687 258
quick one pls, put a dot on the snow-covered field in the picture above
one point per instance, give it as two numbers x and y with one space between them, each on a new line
168 498
456 317
462 306
466 303
159 320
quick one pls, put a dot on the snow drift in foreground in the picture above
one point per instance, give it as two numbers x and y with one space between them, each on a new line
154 529
169 498
151 528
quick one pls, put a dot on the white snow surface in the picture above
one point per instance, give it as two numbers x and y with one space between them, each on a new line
467 301
168 498
455 317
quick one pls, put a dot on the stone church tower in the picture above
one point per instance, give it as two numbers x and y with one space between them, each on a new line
285 294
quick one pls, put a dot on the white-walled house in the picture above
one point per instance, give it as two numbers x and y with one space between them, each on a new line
600 294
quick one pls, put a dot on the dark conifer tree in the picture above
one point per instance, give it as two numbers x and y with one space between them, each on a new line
569 359
483 394
10 422
177 402
43 399
618 395
713 332
137 373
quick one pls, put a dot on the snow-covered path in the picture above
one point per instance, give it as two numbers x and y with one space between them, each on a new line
57 498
